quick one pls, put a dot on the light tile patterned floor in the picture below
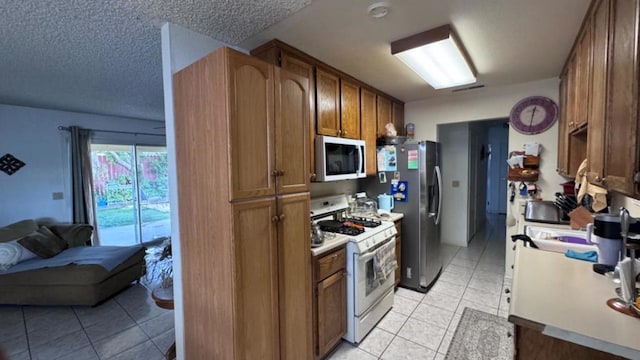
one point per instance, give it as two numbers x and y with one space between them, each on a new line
421 326
128 326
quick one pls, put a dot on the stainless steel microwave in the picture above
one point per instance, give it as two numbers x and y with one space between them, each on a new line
339 158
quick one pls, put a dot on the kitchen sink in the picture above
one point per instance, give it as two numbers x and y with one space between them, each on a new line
544 212
559 240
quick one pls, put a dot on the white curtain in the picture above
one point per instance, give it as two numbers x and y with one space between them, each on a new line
84 211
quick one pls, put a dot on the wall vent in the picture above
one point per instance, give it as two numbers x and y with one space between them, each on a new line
468 88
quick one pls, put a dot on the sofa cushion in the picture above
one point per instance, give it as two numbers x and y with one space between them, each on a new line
73 234
43 242
17 230
70 274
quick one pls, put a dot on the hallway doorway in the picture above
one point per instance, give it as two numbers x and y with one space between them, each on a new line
498 144
474 172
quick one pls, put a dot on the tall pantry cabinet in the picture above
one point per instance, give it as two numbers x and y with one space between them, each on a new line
241 128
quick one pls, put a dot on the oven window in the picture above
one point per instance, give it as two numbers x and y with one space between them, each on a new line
372 282
341 159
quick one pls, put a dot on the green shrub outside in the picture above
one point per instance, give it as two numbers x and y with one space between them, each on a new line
125 216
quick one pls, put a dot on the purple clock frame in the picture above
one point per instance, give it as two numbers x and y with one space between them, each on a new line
551 110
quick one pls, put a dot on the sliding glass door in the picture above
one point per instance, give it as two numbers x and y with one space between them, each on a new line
131 192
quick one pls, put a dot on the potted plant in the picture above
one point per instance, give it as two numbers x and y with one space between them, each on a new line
159 265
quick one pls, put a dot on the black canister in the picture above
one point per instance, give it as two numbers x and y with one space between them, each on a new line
608 226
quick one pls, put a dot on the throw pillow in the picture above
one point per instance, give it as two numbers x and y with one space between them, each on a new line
12 253
73 234
43 243
9 255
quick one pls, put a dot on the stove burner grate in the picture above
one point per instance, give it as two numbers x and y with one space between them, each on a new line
370 223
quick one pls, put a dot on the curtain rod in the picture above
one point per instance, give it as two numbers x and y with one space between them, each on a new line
66 128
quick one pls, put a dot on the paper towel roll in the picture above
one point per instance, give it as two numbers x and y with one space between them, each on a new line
627 281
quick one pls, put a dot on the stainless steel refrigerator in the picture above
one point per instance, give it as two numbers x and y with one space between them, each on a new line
418 169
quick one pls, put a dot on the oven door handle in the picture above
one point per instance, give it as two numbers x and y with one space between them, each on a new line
371 253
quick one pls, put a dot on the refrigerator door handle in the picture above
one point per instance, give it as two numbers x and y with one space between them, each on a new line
439 182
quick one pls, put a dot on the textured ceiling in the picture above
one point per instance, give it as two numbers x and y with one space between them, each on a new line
105 56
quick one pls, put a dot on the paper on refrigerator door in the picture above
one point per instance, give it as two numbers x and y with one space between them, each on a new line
412 160
532 149
381 158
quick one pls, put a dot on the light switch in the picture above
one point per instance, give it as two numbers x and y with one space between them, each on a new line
57 196
455 183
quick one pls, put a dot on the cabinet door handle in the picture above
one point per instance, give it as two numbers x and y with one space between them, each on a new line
274 173
508 300
338 132
312 177
275 218
506 290
509 334
335 256
281 217
344 133
280 172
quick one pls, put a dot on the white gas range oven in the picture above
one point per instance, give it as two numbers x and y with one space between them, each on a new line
370 263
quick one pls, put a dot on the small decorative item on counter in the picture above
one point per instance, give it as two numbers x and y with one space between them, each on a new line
410 129
523 167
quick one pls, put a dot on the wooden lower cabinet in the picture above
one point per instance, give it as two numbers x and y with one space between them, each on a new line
532 344
330 303
294 275
256 272
398 225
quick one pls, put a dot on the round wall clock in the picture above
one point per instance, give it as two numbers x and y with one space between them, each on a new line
533 115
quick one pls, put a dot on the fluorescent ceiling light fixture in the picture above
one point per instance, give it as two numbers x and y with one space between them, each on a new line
438 56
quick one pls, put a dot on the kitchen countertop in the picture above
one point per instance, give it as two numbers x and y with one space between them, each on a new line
396 216
329 244
568 299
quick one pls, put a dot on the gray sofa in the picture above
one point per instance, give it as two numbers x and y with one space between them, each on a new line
70 284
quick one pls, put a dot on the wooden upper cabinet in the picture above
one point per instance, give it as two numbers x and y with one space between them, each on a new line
256 279
302 67
251 115
292 132
597 106
327 102
621 127
294 253
583 76
572 93
563 143
383 114
398 117
349 109
368 128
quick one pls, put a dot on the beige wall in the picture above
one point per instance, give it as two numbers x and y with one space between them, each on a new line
488 104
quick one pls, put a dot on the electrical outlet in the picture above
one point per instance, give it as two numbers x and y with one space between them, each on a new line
455 183
57 196
408 273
